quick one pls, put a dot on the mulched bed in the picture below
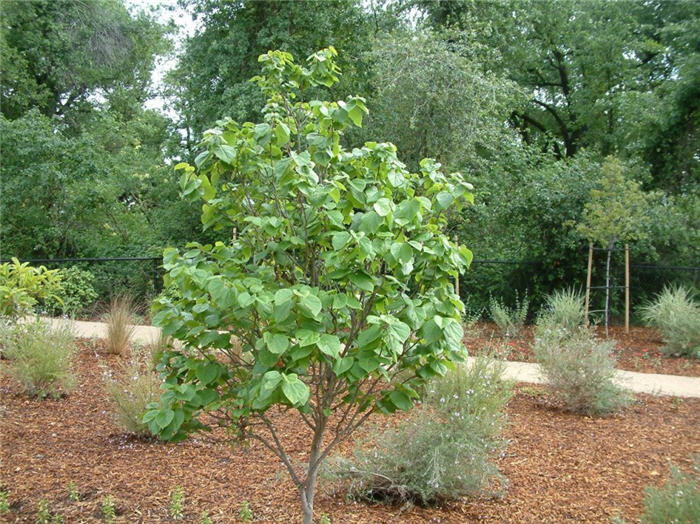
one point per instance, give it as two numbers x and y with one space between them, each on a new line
561 467
640 350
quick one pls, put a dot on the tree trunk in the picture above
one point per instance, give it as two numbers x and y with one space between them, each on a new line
308 489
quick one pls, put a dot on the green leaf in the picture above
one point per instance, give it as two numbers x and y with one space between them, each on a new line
342 365
370 222
276 343
164 417
225 153
283 295
340 240
383 207
207 372
312 303
281 134
362 280
295 390
401 400
329 344
307 337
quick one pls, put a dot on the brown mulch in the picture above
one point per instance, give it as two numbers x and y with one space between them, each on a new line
561 467
640 350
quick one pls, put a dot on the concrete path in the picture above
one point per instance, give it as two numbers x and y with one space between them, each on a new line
652 383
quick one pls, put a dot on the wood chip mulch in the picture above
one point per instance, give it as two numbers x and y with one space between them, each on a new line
639 351
561 467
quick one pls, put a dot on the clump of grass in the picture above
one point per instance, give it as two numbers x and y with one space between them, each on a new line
41 358
130 390
676 314
564 309
4 502
510 321
676 501
109 511
245 514
442 450
73 493
120 329
43 514
204 518
177 503
581 370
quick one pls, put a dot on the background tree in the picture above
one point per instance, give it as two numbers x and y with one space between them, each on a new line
339 280
616 212
234 34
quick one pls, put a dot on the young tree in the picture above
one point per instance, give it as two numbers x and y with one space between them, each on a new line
617 211
333 297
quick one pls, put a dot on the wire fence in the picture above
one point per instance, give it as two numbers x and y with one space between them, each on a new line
142 277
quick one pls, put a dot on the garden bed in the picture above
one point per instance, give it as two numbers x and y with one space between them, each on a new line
561 467
640 350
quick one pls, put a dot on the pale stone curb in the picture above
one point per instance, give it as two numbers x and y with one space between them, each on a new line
651 383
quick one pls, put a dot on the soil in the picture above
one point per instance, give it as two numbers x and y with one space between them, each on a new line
561 467
640 350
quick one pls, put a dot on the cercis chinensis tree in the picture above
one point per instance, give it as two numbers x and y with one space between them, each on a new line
332 276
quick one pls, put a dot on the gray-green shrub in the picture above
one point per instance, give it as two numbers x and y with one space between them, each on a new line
676 314
676 501
40 357
76 292
130 390
580 369
510 321
564 309
442 450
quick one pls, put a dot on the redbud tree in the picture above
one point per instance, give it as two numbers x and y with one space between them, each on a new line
331 291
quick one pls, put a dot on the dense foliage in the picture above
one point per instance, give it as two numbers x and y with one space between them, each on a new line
336 279
526 97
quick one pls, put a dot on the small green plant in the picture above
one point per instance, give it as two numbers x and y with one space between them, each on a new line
43 514
564 309
325 519
57 519
443 450
41 357
109 511
204 518
130 390
677 315
177 503
22 285
4 502
120 329
510 321
73 493
677 501
74 294
245 513
581 370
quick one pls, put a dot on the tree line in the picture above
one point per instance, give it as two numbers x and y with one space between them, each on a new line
528 98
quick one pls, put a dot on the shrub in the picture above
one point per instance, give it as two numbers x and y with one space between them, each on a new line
441 451
40 357
677 501
564 309
120 329
75 293
131 390
22 285
676 314
510 321
340 278
581 370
